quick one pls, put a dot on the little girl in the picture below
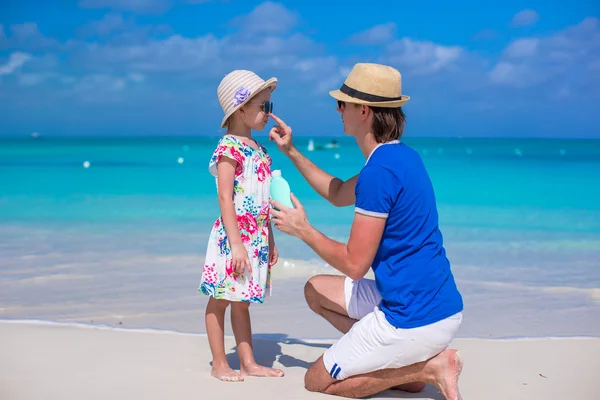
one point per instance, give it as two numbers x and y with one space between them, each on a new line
241 247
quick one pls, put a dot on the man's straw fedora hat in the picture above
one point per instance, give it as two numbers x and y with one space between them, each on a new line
375 85
237 88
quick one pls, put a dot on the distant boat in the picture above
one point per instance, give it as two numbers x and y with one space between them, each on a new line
312 147
333 145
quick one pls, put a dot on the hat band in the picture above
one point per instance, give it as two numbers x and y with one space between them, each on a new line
357 94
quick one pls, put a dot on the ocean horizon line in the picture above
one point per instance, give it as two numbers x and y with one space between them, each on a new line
299 136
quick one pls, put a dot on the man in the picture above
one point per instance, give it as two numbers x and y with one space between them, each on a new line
397 327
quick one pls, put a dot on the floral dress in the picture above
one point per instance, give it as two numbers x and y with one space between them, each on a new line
251 194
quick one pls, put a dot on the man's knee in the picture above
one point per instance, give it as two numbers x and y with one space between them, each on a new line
316 378
310 384
311 295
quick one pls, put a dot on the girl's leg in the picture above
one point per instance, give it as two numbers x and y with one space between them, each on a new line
240 322
215 322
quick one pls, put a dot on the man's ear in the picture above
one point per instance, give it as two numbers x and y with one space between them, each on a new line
365 111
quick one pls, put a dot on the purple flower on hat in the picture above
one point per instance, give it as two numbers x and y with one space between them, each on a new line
240 96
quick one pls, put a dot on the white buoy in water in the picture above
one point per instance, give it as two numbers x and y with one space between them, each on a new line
337 156
86 164
180 160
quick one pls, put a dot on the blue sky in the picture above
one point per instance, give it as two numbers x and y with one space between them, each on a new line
151 67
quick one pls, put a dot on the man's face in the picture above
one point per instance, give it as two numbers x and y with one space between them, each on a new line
351 116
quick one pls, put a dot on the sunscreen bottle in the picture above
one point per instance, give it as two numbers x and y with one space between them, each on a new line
280 189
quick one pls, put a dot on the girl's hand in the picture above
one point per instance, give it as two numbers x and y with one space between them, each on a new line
281 134
273 255
240 260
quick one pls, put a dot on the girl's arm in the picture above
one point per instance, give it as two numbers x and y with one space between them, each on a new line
225 182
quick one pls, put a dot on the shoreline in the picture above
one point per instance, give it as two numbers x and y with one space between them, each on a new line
260 336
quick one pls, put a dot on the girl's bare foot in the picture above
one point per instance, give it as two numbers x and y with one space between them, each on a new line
226 374
259 370
449 367
414 387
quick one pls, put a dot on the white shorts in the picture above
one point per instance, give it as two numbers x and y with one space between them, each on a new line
373 343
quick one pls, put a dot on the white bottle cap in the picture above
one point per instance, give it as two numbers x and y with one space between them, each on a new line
276 172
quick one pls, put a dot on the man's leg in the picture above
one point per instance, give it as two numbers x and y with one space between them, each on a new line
325 295
442 371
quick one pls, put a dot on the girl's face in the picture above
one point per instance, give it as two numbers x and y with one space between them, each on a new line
255 113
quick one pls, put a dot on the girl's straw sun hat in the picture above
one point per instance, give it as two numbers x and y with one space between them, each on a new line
237 88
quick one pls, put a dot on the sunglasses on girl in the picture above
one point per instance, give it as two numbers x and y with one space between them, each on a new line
267 107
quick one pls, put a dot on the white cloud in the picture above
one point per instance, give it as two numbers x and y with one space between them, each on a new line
526 17
516 75
421 58
26 36
558 59
268 17
98 88
136 77
522 48
173 54
110 23
379 34
15 61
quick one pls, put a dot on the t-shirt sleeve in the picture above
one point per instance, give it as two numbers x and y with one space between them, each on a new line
376 191
231 149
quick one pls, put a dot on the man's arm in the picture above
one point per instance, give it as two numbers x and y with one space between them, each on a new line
355 258
338 192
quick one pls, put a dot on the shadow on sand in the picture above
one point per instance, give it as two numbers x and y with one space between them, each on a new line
268 350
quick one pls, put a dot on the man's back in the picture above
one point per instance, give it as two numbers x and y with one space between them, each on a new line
411 268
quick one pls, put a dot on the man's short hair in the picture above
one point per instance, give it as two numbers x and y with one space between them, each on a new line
388 123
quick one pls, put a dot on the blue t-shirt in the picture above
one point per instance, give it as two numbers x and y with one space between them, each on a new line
412 271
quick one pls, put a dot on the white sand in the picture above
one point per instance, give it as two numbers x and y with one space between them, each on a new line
51 361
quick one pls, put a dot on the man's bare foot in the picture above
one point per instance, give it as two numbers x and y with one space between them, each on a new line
414 387
259 370
226 374
449 367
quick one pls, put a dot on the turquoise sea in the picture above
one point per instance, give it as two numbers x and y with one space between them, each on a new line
123 239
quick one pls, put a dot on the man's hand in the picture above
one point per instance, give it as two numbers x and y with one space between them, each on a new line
281 134
292 221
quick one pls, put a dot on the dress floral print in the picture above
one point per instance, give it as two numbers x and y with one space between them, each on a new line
251 194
